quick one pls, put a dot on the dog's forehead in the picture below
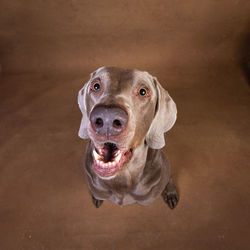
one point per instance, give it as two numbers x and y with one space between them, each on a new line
118 76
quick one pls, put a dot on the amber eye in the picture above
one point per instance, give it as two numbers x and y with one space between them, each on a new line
142 91
96 86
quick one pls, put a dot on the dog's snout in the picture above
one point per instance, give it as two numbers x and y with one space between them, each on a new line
109 121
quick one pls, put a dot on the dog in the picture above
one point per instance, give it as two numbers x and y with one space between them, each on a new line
125 113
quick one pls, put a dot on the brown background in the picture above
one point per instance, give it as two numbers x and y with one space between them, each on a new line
199 50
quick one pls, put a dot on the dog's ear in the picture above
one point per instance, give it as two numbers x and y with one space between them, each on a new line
83 131
164 119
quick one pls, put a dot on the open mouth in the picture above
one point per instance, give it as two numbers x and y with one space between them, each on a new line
109 159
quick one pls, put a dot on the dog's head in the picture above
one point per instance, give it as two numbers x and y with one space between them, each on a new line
122 109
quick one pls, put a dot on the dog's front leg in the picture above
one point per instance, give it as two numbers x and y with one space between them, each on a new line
96 202
170 194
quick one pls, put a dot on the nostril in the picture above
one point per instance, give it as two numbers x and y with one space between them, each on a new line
117 123
99 122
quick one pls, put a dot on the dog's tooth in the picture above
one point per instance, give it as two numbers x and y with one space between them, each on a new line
96 155
117 153
113 164
117 159
109 164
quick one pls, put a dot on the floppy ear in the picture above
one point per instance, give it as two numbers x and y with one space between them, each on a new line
83 132
165 117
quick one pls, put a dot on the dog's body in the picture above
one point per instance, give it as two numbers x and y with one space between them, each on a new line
125 115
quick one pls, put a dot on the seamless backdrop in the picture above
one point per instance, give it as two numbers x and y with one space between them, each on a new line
199 51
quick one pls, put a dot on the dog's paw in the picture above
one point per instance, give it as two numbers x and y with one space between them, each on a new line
170 196
96 202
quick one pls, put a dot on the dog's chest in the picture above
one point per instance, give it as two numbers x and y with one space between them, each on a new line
125 189
122 199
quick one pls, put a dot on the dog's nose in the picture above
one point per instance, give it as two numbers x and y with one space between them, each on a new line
109 121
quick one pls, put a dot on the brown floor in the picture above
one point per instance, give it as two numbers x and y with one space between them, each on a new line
197 50
45 202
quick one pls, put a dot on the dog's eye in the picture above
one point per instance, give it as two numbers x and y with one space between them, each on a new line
142 91
96 86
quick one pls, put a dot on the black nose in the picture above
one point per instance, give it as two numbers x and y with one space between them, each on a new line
109 121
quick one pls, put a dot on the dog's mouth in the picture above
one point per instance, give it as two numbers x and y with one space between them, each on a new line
109 159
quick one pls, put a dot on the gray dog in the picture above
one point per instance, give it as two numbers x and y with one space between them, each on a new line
125 114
